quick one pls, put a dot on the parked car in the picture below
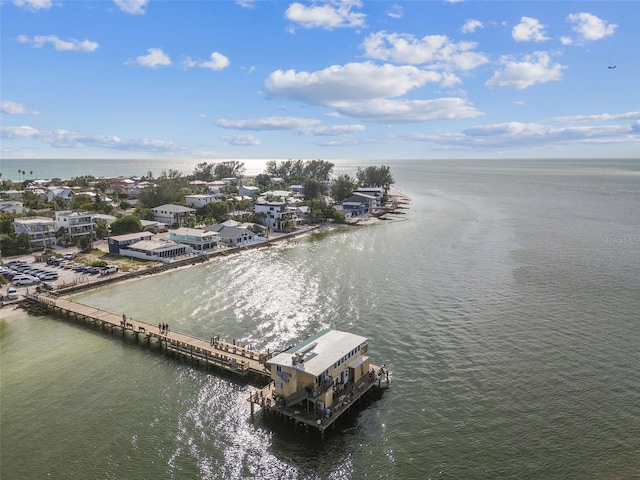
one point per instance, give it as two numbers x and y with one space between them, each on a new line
25 280
108 269
78 267
49 276
12 293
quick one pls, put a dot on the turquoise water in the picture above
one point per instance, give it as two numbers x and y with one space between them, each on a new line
505 301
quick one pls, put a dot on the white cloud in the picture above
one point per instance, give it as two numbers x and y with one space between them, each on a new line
350 82
33 5
589 27
268 123
436 50
61 138
247 3
241 140
363 90
333 130
529 30
155 58
534 70
217 62
303 126
133 7
471 25
542 134
60 45
602 117
13 108
396 12
329 15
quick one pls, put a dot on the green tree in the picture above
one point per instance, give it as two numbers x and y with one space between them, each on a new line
319 170
342 188
204 172
375 177
170 187
126 224
102 229
6 223
82 203
313 189
13 244
262 180
229 169
214 212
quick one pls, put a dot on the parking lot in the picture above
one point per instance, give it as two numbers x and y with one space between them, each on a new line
26 274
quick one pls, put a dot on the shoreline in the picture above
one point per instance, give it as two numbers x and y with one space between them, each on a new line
159 268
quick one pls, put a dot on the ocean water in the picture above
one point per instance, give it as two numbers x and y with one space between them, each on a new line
505 300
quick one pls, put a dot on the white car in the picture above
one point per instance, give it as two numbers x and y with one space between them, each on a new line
24 280
12 294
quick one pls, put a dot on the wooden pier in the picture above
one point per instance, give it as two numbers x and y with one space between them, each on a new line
223 355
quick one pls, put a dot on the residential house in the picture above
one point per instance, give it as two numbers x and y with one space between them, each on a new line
310 373
199 201
76 224
12 206
161 251
118 242
196 238
173 214
248 190
274 215
41 231
374 191
354 208
232 235
368 202
64 193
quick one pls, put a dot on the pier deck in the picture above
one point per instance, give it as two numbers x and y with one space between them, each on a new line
229 357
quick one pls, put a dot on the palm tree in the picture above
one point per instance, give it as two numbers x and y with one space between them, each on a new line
19 172
31 173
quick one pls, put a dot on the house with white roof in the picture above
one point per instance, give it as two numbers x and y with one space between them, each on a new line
196 238
65 193
275 215
173 214
76 224
199 201
41 231
156 250
311 372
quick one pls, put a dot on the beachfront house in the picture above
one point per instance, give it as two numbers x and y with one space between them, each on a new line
315 371
120 242
156 250
196 238
367 202
173 214
232 235
41 231
274 215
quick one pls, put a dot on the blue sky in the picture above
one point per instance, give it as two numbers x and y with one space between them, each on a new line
337 79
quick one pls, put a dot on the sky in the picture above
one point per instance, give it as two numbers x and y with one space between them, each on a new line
340 79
